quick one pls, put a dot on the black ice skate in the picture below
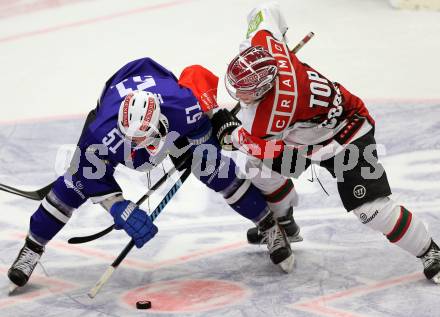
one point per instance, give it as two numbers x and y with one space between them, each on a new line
431 263
24 264
276 240
287 223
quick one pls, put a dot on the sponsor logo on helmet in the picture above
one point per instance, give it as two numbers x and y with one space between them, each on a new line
125 109
251 79
359 191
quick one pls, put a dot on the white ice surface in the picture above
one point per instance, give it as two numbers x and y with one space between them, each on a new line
54 62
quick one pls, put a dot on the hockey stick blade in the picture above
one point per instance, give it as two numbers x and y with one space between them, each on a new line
104 278
34 195
78 240
111 269
84 239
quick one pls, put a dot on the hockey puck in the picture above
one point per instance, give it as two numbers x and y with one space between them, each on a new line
143 304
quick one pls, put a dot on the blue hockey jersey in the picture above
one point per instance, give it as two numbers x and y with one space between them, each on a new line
177 103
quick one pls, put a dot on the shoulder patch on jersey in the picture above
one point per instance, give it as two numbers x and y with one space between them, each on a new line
254 23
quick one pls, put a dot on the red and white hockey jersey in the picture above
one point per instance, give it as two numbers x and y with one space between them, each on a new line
303 108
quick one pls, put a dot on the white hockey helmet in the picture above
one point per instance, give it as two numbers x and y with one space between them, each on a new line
138 117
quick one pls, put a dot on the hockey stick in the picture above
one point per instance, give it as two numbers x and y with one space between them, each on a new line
38 194
108 273
78 240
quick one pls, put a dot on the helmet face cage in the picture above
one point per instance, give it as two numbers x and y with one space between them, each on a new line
155 140
251 74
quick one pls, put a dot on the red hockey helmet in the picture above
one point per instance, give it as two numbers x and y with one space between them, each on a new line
251 74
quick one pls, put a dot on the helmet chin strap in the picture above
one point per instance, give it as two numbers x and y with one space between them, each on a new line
164 125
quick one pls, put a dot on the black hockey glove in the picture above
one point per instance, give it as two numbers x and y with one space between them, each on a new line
223 123
182 160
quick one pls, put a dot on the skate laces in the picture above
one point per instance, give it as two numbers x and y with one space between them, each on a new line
431 257
27 261
273 237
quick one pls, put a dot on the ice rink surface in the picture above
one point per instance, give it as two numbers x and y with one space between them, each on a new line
54 59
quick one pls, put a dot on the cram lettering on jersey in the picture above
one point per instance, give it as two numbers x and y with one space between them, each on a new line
285 92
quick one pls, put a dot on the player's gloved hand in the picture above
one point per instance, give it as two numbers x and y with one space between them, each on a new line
138 225
223 123
181 160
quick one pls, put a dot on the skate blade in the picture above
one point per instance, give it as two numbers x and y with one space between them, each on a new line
436 278
287 264
296 238
292 239
12 288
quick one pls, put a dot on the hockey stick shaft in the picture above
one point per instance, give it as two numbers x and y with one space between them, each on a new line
156 186
109 272
303 42
84 239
